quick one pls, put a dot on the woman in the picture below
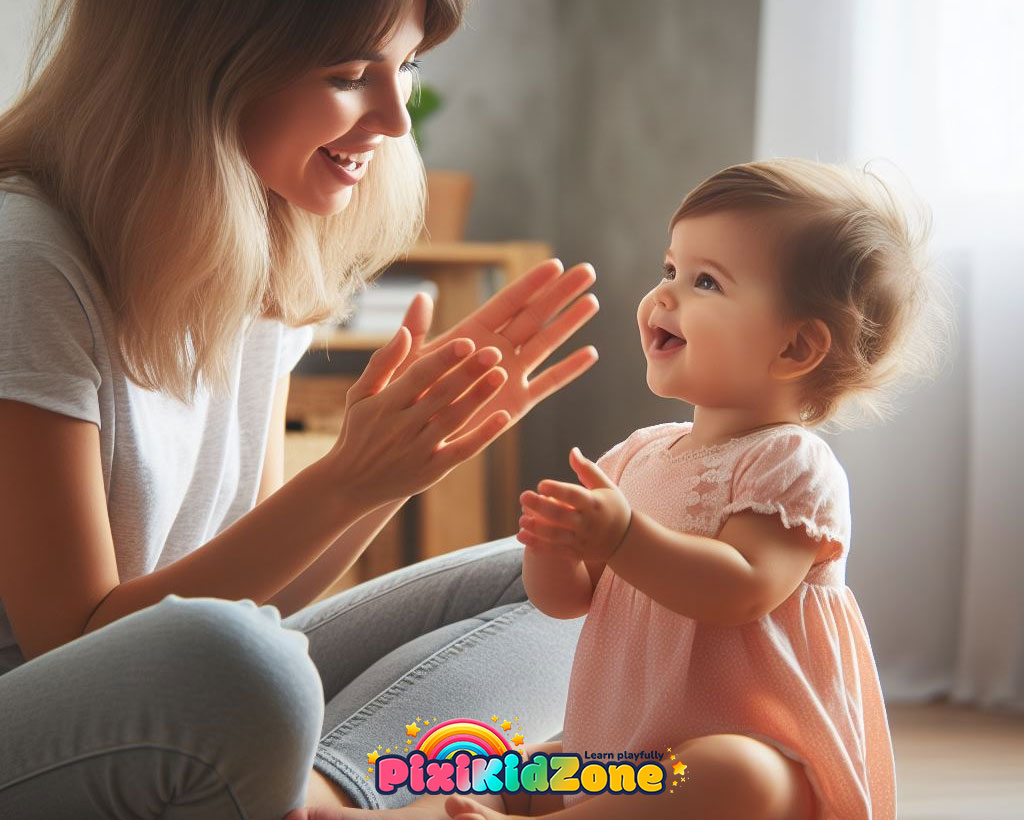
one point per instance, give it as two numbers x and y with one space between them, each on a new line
186 189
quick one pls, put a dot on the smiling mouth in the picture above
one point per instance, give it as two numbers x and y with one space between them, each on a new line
345 163
663 340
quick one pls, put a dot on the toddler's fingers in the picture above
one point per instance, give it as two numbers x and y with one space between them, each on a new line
549 532
572 494
551 509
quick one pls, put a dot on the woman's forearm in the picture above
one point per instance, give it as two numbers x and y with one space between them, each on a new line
253 558
335 561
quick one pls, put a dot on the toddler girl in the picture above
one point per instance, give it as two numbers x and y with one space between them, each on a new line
709 557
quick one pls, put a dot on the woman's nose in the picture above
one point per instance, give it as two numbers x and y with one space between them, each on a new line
387 113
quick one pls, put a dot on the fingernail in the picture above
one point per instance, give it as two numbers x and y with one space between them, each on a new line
463 347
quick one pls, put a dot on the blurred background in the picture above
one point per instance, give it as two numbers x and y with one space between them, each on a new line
584 122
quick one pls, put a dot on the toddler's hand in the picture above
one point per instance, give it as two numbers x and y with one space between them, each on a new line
589 522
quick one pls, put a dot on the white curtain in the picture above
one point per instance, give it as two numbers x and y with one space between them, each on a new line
934 89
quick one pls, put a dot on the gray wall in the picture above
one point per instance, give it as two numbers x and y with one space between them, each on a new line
584 123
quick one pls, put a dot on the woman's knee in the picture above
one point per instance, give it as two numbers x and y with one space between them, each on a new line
754 780
242 670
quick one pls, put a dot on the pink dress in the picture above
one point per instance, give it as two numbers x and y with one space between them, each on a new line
801 678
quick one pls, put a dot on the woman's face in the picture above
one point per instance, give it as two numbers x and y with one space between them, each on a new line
348 109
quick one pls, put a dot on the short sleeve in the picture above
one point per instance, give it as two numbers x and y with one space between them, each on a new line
47 346
295 341
795 474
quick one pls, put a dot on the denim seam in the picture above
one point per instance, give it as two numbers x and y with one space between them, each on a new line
125 748
428 663
413 578
387 695
354 779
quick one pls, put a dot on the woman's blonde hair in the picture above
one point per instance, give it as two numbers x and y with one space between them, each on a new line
854 255
128 123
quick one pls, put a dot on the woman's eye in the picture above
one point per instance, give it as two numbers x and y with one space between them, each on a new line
347 84
705 282
668 272
355 83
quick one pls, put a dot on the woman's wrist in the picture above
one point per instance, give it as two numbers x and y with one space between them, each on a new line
341 491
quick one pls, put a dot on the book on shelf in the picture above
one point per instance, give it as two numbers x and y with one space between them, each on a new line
380 308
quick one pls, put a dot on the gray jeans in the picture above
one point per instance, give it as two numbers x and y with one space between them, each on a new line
205 708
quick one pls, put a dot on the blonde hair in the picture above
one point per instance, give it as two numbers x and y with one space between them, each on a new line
855 256
139 147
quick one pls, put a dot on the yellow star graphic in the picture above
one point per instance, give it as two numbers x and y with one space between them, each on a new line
670 748
495 718
380 747
672 757
408 743
675 783
388 751
426 722
371 757
506 725
369 770
412 730
517 739
678 768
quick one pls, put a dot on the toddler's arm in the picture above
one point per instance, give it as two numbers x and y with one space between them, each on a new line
559 584
753 565
751 568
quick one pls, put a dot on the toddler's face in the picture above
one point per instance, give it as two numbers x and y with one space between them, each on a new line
712 326
349 108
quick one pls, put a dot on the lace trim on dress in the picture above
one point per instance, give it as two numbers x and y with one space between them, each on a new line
812 529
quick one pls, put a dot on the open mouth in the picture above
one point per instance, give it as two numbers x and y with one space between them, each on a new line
663 340
345 163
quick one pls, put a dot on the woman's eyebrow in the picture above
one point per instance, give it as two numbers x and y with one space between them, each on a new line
368 57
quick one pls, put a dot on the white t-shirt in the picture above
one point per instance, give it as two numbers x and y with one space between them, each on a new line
175 475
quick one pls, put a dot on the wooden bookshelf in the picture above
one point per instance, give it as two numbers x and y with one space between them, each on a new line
479 499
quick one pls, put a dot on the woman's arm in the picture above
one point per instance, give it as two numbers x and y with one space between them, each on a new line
334 562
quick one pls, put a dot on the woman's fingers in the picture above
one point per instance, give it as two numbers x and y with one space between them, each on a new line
457 450
553 335
535 314
561 373
507 302
382 365
457 381
448 416
426 371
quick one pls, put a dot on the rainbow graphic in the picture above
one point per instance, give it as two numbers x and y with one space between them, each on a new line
446 739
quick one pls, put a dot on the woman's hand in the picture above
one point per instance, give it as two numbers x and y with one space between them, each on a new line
587 522
394 438
523 322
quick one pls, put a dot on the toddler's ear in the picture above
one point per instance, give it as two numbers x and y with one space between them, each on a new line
809 344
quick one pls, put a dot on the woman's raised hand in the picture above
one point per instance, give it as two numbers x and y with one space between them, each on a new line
523 322
393 441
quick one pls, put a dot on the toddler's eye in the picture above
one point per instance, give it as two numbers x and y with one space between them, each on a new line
668 272
705 282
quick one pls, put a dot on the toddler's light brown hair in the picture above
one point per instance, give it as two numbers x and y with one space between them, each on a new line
854 255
